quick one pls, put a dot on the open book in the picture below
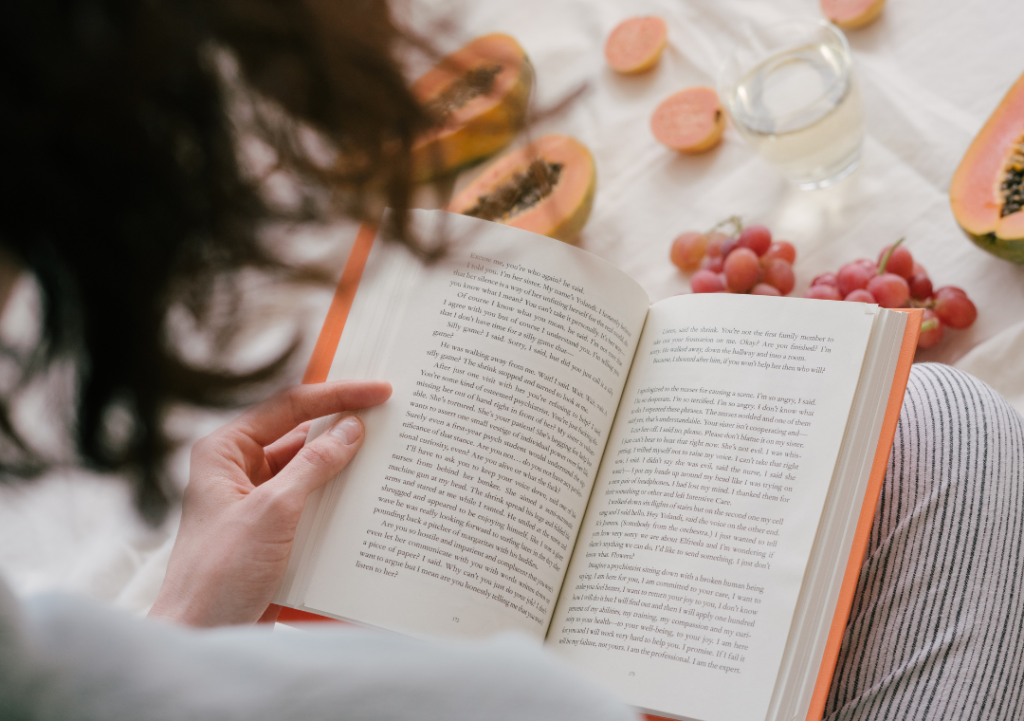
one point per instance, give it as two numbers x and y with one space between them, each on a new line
673 497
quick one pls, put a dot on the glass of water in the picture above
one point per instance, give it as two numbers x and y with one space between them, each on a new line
792 94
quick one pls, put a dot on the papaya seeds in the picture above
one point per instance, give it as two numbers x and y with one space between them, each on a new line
523 190
476 98
473 83
1012 187
987 189
546 187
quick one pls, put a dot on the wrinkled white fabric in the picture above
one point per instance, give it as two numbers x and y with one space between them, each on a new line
70 659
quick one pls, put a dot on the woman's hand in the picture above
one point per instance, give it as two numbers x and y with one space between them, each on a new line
247 485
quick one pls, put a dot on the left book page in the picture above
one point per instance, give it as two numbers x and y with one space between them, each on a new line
508 357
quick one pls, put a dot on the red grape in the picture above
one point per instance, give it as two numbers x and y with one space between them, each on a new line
715 240
765 289
714 264
704 281
860 296
823 291
780 249
901 262
920 286
931 331
890 290
742 270
853 276
826 279
729 245
756 237
868 265
954 308
779 273
688 249
902 282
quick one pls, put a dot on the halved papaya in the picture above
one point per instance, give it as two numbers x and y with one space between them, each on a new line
546 187
477 98
987 190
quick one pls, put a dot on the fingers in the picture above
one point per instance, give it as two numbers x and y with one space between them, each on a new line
275 417
321 460
277 455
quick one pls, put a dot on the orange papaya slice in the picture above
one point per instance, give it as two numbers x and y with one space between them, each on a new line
690 121
546 187
987 190
852 14
635 44
477 98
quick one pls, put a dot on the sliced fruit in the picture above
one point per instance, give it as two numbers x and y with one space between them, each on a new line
691 120
546 187
851 14
987 190
635 44
477 97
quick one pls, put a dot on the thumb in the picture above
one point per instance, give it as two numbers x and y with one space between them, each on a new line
321 460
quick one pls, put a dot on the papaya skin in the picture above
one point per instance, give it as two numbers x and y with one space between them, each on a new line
839 13
974 193
561 214
483 125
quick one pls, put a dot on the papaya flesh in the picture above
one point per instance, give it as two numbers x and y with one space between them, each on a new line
477 99
546 187
987 190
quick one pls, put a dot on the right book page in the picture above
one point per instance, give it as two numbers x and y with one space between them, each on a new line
684 581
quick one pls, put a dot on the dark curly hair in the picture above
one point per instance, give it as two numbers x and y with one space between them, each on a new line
124 193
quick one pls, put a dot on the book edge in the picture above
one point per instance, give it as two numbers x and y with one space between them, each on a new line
866 520
337 315
320 365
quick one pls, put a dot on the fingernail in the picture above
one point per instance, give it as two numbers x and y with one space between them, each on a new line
347 430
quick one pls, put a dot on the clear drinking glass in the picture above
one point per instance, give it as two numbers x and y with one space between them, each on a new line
792 94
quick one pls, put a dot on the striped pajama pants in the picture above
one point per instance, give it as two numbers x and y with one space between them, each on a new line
937 625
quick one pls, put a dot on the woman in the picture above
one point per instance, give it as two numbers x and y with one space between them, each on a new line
120 121
131 204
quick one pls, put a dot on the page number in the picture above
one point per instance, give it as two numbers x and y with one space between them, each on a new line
455 618
632 673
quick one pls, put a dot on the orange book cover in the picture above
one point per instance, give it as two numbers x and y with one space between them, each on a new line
327 344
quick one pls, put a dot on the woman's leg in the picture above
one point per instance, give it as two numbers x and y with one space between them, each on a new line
937 625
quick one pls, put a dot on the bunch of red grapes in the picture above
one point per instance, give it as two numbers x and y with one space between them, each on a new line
897 281
749 262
